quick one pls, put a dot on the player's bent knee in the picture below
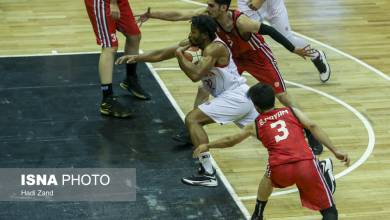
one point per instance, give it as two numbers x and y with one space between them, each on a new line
191 118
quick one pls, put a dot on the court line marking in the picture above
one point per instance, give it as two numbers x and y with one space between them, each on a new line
52 54
368 66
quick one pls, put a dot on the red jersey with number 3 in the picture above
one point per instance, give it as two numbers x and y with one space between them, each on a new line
283 136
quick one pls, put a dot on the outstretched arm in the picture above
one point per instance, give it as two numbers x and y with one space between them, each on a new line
320 135
170 15
245 24
228 141
153 56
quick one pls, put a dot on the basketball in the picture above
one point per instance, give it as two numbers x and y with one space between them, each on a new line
193 54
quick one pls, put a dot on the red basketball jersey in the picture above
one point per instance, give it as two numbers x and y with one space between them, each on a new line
243 47
282 134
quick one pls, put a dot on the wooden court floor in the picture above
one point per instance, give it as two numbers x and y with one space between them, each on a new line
352 107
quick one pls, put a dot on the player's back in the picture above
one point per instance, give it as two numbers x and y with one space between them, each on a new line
282 134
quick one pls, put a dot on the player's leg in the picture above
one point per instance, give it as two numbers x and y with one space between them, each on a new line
201 96
329 213
281 23
263 193
230 106
314 192
195 120
128 26
104 28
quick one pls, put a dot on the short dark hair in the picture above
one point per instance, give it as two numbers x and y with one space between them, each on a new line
206 25
224 2
262 96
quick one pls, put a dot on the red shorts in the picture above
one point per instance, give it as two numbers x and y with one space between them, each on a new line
306 174
262 65
105 26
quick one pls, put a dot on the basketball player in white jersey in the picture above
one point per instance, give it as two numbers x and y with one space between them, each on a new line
219 76
275 12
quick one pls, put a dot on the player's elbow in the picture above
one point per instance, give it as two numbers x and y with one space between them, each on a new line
196 77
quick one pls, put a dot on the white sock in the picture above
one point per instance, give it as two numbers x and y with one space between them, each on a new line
205 160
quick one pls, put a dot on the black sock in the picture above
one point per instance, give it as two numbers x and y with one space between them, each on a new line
131 71
330 213
106 90
258 213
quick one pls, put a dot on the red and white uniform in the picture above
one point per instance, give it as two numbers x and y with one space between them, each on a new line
252 54
291 161
230 103
105 26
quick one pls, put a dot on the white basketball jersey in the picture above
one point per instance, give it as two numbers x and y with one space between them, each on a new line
269 9
225 78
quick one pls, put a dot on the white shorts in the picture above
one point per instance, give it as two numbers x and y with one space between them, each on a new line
269 9
231 106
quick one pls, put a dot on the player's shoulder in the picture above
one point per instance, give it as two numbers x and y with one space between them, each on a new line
215 48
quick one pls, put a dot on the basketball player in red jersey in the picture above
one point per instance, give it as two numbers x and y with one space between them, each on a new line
250 52
290 159
106 17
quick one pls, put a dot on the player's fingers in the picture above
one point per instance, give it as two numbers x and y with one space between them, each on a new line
120 60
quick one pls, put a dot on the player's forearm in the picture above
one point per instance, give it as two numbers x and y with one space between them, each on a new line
277 36
156 56
169 15
189 68
229 141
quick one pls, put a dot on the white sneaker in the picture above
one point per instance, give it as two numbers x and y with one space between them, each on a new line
327 170
322 66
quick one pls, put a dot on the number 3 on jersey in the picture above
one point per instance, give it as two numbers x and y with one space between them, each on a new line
283 132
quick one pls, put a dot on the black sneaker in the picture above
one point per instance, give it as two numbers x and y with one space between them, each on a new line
322 66
206 179
182 137
314 144
327 169
135 89
111 107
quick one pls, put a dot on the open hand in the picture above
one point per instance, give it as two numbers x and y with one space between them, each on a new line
142 18
343 157
126 59
304 52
